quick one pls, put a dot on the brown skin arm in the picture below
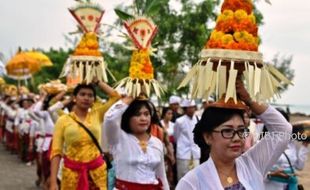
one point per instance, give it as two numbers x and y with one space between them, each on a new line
278 173
170 153
104 87
54 170
66 101
127 99
31 142
43 95
59 96
169 147
257 108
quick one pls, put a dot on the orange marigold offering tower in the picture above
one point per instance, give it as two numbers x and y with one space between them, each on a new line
235 27
231 52
141 31
86 62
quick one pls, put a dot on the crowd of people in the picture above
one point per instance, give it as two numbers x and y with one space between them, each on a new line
80 141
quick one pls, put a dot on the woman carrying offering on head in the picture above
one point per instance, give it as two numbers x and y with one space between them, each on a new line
138 156
222 128
84 167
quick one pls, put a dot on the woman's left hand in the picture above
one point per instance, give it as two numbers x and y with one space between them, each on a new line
279 173
170 153
127 99
242 92
95 81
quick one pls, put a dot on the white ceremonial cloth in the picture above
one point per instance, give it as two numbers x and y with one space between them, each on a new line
131 163
184 137
48 124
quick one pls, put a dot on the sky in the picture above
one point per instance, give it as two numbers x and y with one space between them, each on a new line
43 23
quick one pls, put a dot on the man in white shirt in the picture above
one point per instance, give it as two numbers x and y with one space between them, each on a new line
187 152
174 104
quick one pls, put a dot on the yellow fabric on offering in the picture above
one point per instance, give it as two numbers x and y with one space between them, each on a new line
79 145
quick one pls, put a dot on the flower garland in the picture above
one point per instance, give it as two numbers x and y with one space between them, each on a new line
235 30
141 65
239 40
88 46
236 21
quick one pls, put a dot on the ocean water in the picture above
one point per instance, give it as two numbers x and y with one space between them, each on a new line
293 108
305 109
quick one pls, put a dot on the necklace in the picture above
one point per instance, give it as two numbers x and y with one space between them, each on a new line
229 179
143 145
143 142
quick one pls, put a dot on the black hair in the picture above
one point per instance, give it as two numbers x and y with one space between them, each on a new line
132 110
10 102
165 110
20 103
70 106
79 87
211 118
185 108
154 117
46 102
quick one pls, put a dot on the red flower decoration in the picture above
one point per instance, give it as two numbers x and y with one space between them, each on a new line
142 32
90 17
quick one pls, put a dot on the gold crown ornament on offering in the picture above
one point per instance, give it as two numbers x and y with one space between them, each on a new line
86 62
230 53
141 30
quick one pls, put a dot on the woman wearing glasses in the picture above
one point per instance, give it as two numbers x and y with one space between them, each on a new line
222 129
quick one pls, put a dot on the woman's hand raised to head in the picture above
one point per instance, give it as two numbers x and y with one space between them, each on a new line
103 86
59 96
95 81
43 94
246 98
242 92
127 99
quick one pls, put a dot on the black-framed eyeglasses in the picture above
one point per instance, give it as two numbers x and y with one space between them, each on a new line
230 133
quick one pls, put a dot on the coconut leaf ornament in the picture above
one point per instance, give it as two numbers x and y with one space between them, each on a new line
86 62
141 31
231 52
88 16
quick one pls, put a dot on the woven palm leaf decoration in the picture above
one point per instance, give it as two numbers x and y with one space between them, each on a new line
86 62
230 53
141 31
